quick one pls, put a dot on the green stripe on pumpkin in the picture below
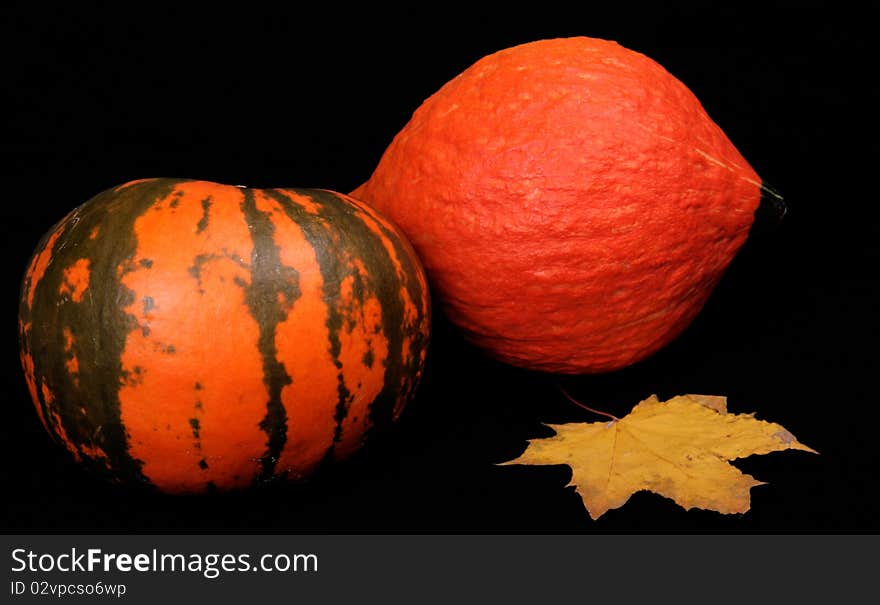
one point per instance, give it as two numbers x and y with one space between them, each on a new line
262 298
98 324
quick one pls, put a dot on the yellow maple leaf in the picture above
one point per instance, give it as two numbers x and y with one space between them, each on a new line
679 449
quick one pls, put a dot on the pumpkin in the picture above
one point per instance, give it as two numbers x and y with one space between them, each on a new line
193 336
572 202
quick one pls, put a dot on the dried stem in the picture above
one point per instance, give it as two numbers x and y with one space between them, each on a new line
588 408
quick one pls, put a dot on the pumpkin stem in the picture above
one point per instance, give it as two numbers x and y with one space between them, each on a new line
771 209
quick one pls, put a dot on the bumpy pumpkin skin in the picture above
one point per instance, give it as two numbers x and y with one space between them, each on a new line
573 204
193 336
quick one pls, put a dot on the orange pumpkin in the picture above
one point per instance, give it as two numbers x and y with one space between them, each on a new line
189 335
573 203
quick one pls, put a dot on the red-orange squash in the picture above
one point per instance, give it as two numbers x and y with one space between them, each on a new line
193 336
572 202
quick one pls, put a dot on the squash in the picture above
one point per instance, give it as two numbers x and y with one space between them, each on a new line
572 202
194 336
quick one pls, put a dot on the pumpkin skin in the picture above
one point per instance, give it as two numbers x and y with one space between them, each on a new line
193 336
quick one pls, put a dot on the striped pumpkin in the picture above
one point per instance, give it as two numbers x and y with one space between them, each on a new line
193 336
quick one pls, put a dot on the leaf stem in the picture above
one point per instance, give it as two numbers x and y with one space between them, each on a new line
586 407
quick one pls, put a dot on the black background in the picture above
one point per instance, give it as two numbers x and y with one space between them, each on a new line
303 99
